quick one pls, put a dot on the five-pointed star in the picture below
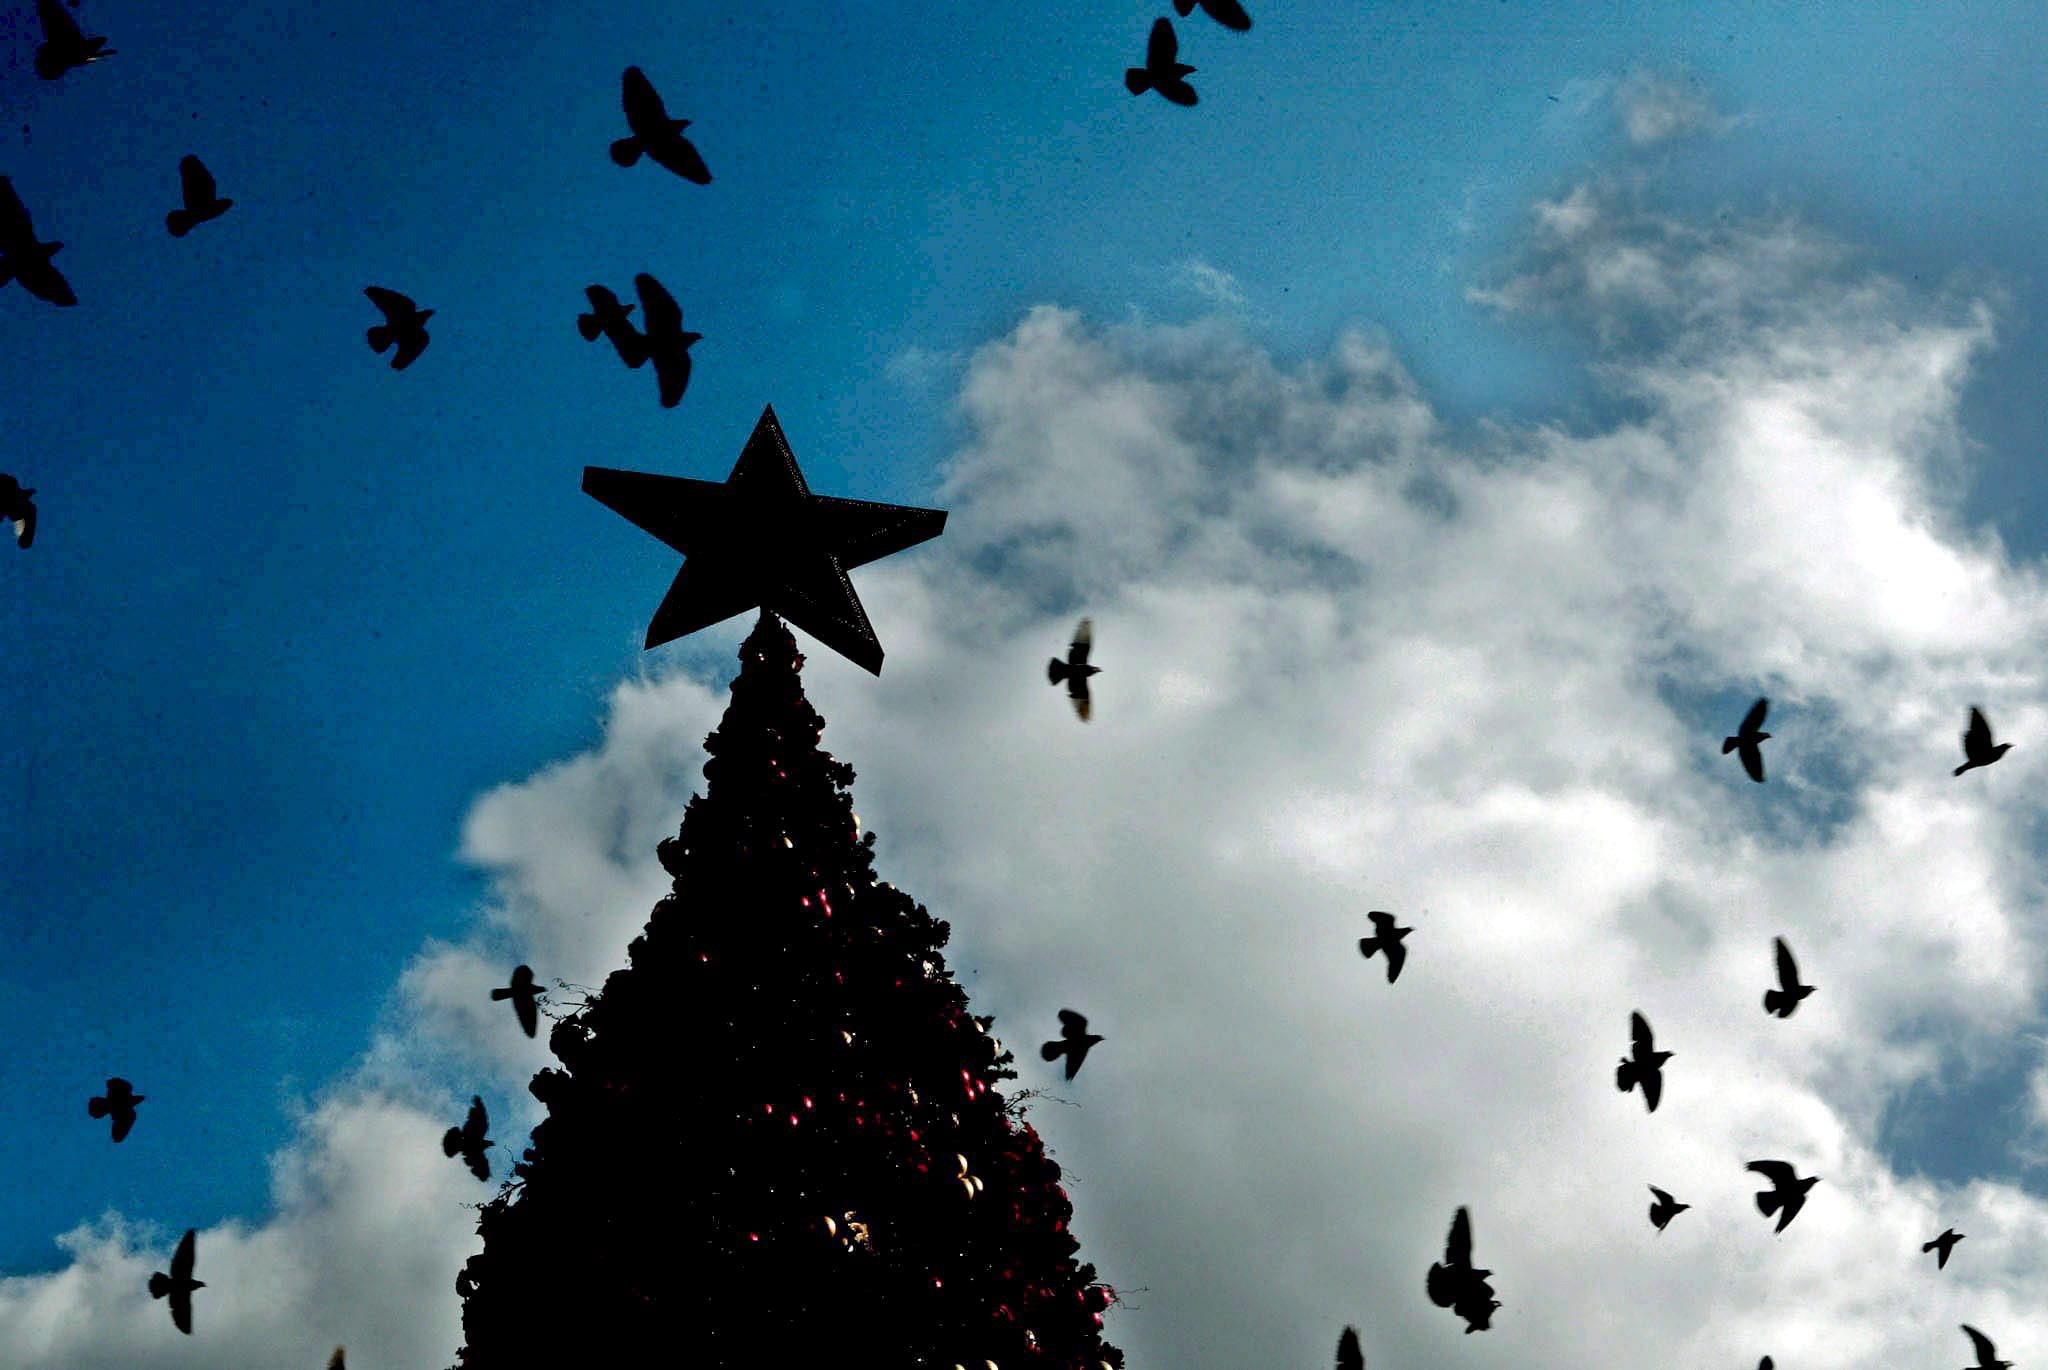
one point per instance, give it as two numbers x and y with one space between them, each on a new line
762 538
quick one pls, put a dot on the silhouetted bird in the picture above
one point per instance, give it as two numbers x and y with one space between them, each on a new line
1162 72
1228 13
1977 748
24 259
63 46
1664 1209
1986 1353
667 344
1350 1356
522 992
1788 1194
405 323
468 1141
1645 1067
1455 1285
1764 1364
608 317
202 200
337 1361
1746 738
1073 1041
18 506
1387 938
179 1284
1941 1246
655 134
117 1103
1789 992
1075 670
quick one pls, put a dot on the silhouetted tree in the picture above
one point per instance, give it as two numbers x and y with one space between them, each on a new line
775 1135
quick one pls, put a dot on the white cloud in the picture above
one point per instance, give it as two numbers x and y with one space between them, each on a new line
1656 108
1213 284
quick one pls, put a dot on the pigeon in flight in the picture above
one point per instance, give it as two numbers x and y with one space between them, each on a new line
1789 992
405 323
468 1141
1664 1209
337 1361
1349 1354
655 134
64 46
1455 1285
1987 1354
202 199
1387 937
1645 1067
666 343
18 506
609 318
1073 1041
1977 748
117 1103
24 259
1941 1246
1228 13
179 1284
1162 72
1746 738
1075 670
522 992
1787 1194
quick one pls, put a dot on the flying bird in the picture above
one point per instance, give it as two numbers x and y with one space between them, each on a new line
117 1103
1073 1041
1664 1208
1228 13
1349 1355
1977 748
609 318
24 259
64 46
1941 1246
1645 1067
18 506
1987 1354
1387 937
666 343
405 323
1162 72
522 992
337 1361
1075 670
1455 1285
1789 992
179 1284
1744 743
1787 1194
202 199
655 134
468 1141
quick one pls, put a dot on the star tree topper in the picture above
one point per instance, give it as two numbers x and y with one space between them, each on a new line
763 539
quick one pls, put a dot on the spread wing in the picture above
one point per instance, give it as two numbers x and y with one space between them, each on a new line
644 110
1779 1173
1987 1354
181 1309
58 25
1754 719
1072 1024
1382 923
660 314
671 374
391 302
183 1257
410 344
476 1124
336 1361
1978 737
196 181
1752 760
1162 48
1653 1089
1458 1249
1084 642
1349 1355
1639 1035
529 1015
15 226
1788 969
680 155
1662 1197
1228 13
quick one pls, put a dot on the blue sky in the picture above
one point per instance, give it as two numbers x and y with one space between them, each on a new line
291 616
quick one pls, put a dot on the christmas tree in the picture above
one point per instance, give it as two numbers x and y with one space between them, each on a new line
776 1134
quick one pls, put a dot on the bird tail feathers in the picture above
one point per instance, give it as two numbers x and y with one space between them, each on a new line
1729 744
1368 945
1443 1286
1929 1246
96 1107
1051 1050
1625 1076
627 151
1137 80
380 337
159 1284
1055 670
1769 1202
586 324
1778 1002
179 222
451 1141
1964 767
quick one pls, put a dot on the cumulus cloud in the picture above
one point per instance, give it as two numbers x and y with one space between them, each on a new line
1655 108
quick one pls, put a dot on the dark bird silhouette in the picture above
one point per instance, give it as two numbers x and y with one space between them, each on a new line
1789 992
1228 13
1075 670
24 259
522 992
1162 71
64 46
1350 1356
1787 1194
1387 937
1764 1364
468 1141
1746 740
405 323
667 344
609 318
18 506
1455 1285
1664 1209
1645 1066
202 200
1073 1041
1977 748
655 134
179 1284
337 1361
117 1103
1987 1354
1941 1246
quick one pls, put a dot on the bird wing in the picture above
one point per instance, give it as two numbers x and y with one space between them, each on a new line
479 1166
336 1361
184 1256
1653 1087
394 305
15 225
529 1015
1077 690
411 343
1072 1024
680 155
1084 642
58 26
1639 1035
1788 969
1228 13
181 1308
644 111
197 183
1458 1248
1752 760
1986 1352
1978 736
1662 1197
1779 1173
1397 957
1162 47
1754 719
124 1123
1349 1354
660 314
671 374
477 1123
